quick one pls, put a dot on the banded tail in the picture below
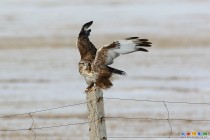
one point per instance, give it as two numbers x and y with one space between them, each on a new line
116 71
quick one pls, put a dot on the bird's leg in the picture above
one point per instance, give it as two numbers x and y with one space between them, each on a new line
89 88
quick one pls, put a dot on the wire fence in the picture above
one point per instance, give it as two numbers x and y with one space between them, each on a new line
33 129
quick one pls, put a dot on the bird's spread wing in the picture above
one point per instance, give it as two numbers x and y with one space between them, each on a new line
86 48
107 54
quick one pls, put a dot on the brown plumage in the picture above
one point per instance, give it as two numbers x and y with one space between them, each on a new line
86 48
88 52
94 64
106 55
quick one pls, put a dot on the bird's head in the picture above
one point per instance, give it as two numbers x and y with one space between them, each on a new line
84 65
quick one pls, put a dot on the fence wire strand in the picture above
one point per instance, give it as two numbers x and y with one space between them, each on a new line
53 126
172 102
149 137
44 110
168 119
31 127
155 119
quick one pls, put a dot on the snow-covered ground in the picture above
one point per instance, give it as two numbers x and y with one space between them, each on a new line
38 76
20 18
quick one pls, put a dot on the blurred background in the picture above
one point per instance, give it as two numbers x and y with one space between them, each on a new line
39 57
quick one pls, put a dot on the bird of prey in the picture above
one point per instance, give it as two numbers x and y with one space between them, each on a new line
94 64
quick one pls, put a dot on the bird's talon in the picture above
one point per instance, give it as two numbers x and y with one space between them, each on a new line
86 90
89 90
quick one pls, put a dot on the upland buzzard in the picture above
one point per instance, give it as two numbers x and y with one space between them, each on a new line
94 64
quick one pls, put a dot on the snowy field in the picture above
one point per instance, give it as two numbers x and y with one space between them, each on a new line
38 67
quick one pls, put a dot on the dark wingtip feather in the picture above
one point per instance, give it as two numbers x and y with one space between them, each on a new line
142 49
87 25
144 44
130 38
143 40
85 31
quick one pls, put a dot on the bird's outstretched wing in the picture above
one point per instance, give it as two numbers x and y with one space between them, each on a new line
86 48
87 51
107 54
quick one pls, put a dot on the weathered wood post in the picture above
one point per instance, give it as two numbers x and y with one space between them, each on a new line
96 114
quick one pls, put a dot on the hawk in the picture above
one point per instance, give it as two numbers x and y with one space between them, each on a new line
94 64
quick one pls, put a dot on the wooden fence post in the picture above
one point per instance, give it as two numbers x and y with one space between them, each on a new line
96 114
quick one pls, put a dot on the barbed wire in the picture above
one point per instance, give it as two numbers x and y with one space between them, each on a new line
157 119
150 137
53 126
44 110
65 106
168 119
157 101
30 128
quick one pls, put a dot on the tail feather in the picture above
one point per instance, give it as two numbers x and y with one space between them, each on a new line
85 31
104 83
116 71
